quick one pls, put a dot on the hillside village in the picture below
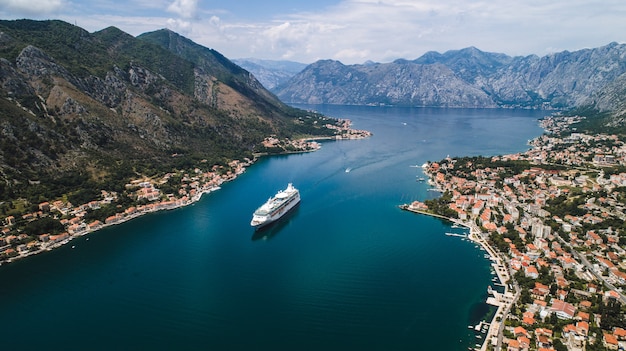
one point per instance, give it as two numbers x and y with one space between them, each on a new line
15 244
553 219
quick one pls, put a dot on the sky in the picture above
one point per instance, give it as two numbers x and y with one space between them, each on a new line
350 31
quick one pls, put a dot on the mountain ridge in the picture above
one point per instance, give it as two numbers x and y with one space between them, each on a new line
480 79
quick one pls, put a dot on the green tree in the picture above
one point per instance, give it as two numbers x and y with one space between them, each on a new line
558 345
611 314
44 225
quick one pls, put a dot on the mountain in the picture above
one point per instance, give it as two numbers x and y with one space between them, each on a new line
397 83
610 99
82 110
462 78
468 63
269 72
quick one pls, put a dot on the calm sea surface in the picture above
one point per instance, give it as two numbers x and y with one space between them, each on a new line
347 270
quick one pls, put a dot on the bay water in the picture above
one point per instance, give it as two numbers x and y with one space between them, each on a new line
346 270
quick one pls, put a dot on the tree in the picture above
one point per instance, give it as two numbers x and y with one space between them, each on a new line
558 345
525 297
611 315
43 225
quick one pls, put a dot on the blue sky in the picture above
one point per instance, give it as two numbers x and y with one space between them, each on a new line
351 31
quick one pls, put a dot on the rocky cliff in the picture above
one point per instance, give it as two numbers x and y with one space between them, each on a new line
462 78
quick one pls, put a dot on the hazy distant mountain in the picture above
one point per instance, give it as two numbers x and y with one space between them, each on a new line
271 73
462 78
397 83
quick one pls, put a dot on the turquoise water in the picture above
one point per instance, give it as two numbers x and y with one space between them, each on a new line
346 270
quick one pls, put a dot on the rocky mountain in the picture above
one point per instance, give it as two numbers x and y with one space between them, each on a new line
610 99
462 78
271 73
331 82
80 109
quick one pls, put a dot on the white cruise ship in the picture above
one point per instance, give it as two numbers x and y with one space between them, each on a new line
276 207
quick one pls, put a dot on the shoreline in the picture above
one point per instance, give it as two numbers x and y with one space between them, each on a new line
350 134
503 301
180 203
122 220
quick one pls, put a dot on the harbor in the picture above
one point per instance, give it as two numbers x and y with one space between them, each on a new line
490 333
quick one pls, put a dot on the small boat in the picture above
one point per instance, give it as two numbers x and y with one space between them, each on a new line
348 170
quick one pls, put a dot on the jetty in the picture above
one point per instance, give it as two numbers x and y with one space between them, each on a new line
457 234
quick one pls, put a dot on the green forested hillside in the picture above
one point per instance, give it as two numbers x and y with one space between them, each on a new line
81 112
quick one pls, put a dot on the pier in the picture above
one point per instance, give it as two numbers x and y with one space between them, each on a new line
457 234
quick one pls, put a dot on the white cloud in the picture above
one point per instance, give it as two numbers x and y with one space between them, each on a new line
354 31
184 8
32 7
353 55
386 30
357 30
131 25
179 25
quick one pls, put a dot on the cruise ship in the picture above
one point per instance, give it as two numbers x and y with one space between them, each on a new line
276 207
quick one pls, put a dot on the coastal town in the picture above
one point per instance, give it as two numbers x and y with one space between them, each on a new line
144 195
552 222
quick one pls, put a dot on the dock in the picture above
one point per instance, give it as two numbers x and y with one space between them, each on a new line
457 234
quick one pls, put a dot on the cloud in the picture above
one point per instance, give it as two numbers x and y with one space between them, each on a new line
179 25
131 25
353 55
32 7
184 8
391 29
353 31
350 32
